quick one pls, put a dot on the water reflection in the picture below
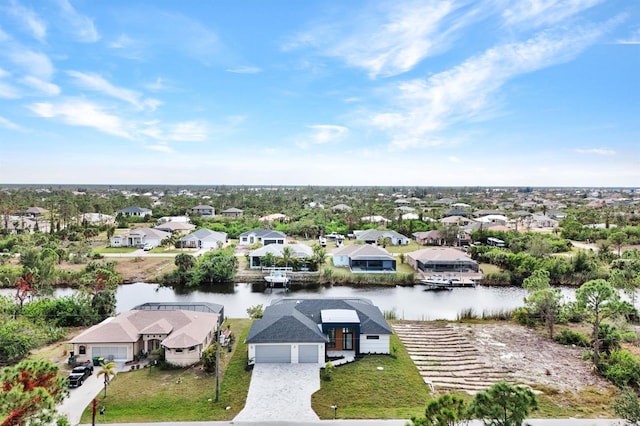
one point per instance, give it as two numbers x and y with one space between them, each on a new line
410 303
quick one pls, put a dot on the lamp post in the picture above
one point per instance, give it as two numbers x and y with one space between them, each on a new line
335 410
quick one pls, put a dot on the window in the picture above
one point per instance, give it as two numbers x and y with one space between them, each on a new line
179 350
373 337
331 333
192 348
347 339
82 350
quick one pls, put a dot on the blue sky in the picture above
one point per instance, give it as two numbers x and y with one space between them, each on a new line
420 93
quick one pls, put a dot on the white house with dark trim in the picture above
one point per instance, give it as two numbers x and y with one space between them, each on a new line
307 331
204 210
261 236
135 211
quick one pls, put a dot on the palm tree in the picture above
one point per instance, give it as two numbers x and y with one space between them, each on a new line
109 371
287 255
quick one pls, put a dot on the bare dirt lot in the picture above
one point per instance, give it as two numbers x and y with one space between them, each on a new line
134 269
471 357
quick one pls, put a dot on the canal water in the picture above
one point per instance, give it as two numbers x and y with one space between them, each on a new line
411 303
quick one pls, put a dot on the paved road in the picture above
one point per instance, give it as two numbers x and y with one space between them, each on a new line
395 422
584 246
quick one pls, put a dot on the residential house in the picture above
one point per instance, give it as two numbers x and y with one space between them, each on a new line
203 239
232 212
498 219
12 224
308 331
440 260
298 251
135 211
376 219
35 212
139 237
364 258
183 334
97 219
456 212
374 236
275 217
429 238
182 219
456 220
204 211
175 227
341 208
261 236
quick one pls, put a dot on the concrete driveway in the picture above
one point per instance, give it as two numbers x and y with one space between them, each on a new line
281 392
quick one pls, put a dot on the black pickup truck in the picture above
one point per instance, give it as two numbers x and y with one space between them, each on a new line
79 374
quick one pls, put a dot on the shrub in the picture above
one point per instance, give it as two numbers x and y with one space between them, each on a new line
524 317
570 337
622 368
327 371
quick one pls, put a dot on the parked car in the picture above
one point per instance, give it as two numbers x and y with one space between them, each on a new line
147 247
79 374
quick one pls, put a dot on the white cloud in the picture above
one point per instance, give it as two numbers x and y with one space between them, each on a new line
466 93
30 19
454 159
245 70
78 112
543 12
99 84
160 147
8 124
8 91
81 26
394 40
634 38
596 151
158 85
42 86
322 134
33 63
188 131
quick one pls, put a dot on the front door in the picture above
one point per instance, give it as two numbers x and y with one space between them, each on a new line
347 339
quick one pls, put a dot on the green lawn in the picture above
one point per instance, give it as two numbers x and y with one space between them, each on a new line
364 391
154 395
115 249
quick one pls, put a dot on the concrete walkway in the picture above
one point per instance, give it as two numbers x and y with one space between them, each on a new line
281 392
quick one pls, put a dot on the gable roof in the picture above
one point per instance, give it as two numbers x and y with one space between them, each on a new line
205 234
264 233
300 320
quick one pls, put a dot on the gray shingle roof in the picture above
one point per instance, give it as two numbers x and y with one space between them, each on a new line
298 320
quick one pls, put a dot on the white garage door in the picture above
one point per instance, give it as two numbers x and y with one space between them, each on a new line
273 354
118 353
308 354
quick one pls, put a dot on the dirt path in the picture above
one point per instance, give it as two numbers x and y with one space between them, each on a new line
471 357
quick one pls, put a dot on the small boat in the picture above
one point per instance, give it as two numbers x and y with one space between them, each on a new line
437 283
277 277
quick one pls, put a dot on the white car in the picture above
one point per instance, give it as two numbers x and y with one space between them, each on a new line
147 247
